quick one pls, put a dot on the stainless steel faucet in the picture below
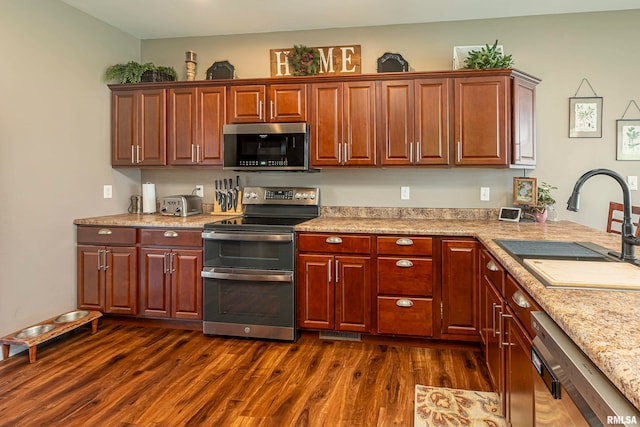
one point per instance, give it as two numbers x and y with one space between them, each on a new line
629 241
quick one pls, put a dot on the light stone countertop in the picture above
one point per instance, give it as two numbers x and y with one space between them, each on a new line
604 324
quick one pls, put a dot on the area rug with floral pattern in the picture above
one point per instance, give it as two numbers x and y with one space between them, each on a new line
438 406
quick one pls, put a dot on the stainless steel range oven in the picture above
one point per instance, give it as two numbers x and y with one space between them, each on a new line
248 273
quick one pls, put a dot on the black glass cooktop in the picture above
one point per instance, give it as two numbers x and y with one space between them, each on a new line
256 223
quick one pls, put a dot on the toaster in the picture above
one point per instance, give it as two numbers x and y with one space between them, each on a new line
181 205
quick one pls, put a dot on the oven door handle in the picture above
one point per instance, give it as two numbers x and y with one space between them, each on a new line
248 276
248 237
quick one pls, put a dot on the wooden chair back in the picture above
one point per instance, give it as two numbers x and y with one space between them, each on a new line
614 223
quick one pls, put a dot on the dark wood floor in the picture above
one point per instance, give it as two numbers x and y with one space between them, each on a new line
142 376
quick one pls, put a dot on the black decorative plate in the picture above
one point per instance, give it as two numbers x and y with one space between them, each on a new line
220 70
392 63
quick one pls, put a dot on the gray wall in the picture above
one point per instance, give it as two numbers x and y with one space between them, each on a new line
559 49
54 150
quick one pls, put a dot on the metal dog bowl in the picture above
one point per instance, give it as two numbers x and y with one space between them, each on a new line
34 331
71 316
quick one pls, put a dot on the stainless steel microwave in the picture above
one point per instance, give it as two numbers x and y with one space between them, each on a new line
266 147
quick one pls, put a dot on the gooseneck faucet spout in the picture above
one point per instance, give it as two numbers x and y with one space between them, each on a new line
628 240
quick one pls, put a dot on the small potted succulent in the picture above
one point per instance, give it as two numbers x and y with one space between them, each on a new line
134 72
544 203
487 57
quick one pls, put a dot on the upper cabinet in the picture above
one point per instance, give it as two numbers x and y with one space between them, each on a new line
268 103
138 127
195 122
524 122
343 127
414 122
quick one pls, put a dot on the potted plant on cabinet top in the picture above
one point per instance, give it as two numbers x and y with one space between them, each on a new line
487 57
134 72
545 202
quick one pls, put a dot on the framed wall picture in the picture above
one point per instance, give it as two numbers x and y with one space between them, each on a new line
628 139
585 117
525 191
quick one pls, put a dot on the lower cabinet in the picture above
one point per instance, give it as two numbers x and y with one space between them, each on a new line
107 269
334 286
170 281
519 379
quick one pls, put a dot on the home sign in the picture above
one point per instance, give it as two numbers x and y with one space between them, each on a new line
333 60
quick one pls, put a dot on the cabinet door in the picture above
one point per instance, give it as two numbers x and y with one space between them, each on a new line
460 287
152 129
181 126
155 289
481 121
210 122
353 293
519 377
359 127
494 355
121 280
247 104
431 121
288 103
397 123
124 127
186 286
315 291
326 124
524 123
90 278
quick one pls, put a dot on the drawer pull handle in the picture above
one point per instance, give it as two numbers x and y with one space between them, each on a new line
403 241
104 232
170 233
491 266
334 240
404 303
404 263
520 300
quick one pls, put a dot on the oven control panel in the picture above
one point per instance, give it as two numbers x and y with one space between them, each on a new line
281 196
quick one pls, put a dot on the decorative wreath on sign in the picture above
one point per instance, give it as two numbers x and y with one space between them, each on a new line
304 61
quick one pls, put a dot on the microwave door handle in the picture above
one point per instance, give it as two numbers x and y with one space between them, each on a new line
246 276
247 237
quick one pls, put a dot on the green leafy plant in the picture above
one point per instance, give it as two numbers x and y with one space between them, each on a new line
304 61
132 72
487 57
544 197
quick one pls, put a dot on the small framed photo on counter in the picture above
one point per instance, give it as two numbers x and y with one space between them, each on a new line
525 191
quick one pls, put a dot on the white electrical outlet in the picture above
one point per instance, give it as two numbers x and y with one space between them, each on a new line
107 191
485 194
405 193
633 182
199 190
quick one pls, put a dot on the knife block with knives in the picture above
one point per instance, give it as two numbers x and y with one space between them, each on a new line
228 198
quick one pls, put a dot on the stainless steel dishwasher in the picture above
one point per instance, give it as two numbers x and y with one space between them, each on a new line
569 389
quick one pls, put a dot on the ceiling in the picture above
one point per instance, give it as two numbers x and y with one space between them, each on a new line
152 19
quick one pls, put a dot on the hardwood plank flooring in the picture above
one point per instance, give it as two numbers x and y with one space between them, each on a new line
141 376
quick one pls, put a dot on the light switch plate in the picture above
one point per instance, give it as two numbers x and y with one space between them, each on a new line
199 190
632 180
405 193
107 191
485 194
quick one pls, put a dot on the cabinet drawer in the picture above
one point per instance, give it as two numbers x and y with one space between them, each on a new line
171 237
405 276
334 243
416 318
492 270
521 303
405 245
106 235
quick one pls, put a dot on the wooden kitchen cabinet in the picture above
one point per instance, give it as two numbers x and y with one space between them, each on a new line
524 123
414 122
107 269
138 127
460 289
196 117
405 297
262 103
333 279
343 124
170 281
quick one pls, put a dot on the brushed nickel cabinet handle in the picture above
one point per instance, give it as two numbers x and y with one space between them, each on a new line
99 259
198 153
418 152
105 262
404 241
520 300
491 266
329 272
138 154
505 334
172 262
104 232
345 153
337 271
459 151
271 109
133 154
170 233
193 153
411 152
335 240
260 108
404 263
165 263
404 303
